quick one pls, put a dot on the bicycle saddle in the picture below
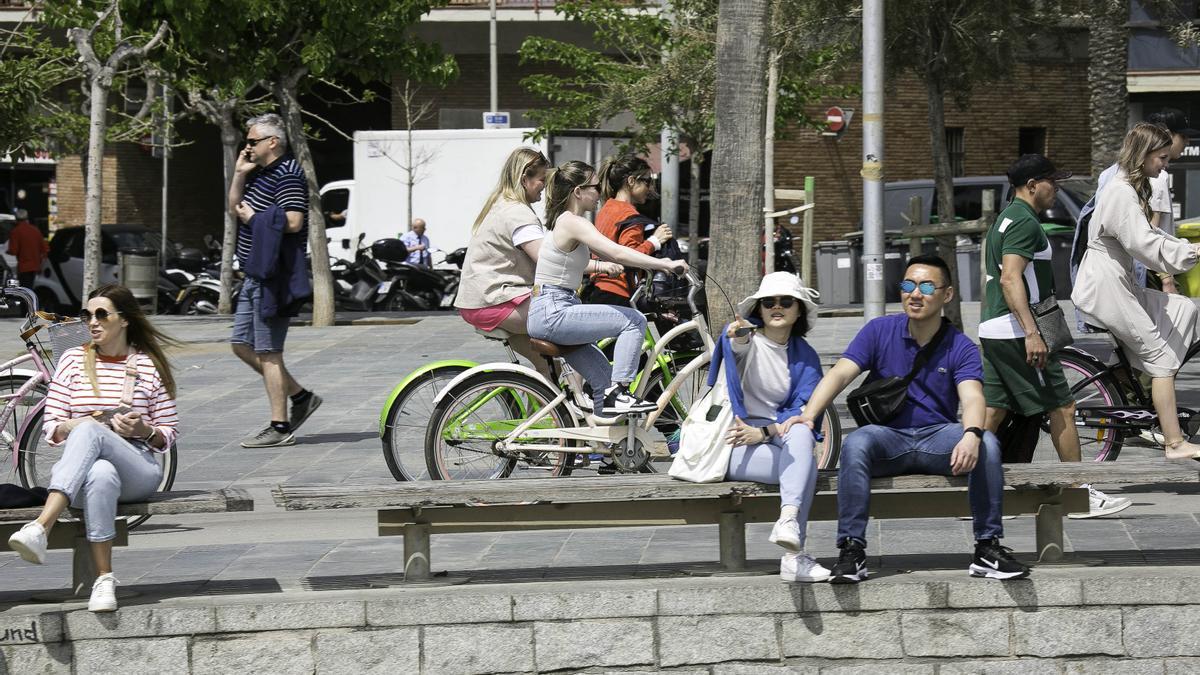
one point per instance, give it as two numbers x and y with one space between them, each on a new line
550 349
494 334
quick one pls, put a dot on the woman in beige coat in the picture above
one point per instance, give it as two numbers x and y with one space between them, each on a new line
1155 329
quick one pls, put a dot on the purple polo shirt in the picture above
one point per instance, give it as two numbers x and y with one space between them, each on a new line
885 348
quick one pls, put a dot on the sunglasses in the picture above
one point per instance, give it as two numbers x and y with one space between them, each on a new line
252 142
783 302
926 287
101 315
589 185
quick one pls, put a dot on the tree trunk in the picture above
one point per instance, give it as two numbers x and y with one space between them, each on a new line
696 165
229 150
285 95
97 128
943 178
410 172
1108 40
769 163
736 189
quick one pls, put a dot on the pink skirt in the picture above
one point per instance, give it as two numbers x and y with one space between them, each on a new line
489 318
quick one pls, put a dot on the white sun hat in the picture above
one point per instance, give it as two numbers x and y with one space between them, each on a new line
778 284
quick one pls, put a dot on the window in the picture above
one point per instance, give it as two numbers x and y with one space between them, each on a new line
954 147
334 203
1031 140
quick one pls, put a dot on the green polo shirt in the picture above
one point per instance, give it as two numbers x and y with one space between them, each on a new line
1017 231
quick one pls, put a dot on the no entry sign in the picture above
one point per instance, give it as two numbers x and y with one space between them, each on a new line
835 119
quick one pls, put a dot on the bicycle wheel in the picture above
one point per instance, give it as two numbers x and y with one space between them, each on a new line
406 422
482 410
829 450
1096 444
10 431
37 458
671 418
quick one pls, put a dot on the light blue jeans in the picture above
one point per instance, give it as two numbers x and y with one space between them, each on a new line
557 315
100 468
787 462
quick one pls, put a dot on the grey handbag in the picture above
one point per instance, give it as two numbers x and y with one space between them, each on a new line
1052 324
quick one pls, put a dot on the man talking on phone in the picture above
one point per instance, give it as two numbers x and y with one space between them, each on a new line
269 196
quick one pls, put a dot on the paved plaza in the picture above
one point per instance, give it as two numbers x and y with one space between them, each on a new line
354 367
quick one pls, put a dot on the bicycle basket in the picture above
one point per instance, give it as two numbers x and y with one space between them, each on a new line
64 335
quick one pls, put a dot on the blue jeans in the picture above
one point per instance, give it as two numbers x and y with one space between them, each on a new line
250 328
787 462
99 468
877 451
557 315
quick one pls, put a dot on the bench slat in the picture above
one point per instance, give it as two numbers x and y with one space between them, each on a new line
163 503
662 486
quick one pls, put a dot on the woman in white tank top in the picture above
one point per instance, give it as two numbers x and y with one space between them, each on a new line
558 316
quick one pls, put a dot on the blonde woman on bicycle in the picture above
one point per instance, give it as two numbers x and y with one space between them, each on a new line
112 402
558 316
1155 329
497 274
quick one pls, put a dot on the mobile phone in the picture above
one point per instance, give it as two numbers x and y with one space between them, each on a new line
743 331
106 416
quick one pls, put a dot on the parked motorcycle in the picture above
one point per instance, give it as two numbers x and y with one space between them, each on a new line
361 285
413 287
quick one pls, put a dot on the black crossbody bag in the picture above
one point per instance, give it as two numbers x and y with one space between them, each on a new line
879 401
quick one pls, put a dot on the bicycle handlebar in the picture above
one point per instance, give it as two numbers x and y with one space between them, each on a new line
13 290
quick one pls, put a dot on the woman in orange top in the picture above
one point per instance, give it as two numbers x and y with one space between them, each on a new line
625 183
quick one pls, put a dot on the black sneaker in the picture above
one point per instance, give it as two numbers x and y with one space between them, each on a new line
851 566
617 401
994 561
304 409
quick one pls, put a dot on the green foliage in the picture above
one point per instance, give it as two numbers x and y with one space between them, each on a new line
30 70
663 69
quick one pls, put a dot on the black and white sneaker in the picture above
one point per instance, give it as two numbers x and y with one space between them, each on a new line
851 566
617 401
994 561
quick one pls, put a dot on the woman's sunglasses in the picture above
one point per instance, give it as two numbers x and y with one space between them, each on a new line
784 302
101 315
927 287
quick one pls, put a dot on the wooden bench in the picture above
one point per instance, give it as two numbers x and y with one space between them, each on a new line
70 533
415 510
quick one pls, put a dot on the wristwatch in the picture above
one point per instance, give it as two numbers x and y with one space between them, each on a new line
766 434
974 430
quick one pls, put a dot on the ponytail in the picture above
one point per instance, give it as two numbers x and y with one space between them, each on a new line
617 170
560 185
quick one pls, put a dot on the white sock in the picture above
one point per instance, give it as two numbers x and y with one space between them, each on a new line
789 512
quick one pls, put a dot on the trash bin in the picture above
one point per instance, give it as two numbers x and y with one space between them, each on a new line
1189 282
838 273
967 284
138 271
895 255
1061 237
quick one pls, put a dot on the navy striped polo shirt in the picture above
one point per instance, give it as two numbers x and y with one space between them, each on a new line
280 183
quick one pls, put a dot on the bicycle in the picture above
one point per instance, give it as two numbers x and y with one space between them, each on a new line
27 389
496 417
1111 402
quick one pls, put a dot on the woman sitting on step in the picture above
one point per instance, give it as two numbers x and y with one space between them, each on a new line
775 375
112 402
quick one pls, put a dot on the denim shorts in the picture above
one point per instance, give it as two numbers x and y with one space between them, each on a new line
249 328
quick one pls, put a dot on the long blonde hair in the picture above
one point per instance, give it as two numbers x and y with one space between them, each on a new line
521 163
141 334
560 185
1141 141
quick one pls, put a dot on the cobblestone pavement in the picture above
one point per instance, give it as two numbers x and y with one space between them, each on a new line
355 367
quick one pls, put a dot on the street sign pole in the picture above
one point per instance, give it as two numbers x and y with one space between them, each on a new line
872 166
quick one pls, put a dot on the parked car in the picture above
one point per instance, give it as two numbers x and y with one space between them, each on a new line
968 199
60 284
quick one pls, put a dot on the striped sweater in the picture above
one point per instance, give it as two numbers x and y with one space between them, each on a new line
71 394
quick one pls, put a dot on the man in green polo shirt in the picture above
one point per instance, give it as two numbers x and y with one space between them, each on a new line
1018 373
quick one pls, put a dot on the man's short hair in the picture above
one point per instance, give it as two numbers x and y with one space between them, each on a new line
933 261
272 125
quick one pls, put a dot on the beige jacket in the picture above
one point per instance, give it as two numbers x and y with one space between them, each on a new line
1154 328
495 271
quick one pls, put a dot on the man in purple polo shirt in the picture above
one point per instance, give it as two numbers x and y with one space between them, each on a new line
925 437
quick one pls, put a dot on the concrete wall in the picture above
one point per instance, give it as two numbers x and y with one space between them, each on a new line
1118 624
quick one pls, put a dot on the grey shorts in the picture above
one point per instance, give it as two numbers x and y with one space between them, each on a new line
263 335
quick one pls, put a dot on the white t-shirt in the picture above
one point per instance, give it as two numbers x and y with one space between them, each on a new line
766 382
1160 202
527 233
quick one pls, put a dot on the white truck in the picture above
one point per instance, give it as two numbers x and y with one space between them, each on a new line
455 171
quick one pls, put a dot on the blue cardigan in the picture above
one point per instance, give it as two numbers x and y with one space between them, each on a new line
804 366
277 260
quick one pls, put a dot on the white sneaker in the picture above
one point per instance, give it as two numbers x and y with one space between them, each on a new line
801 567
30 542
617 401
786 533
1102 505
104 594
1153 437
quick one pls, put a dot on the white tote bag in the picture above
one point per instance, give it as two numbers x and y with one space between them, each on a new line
703 455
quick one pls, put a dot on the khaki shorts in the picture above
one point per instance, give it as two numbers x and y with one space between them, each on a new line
1012 384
